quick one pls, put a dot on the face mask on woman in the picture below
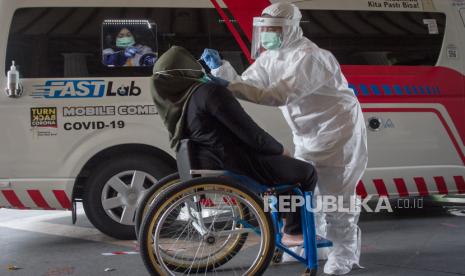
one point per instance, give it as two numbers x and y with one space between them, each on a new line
124 42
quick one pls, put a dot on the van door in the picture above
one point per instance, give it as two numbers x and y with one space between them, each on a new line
86 74
29 127
68 92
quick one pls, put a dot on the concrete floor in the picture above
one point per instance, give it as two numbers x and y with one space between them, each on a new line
427 242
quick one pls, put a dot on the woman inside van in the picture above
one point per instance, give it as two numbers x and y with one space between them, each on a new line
125 51
225 136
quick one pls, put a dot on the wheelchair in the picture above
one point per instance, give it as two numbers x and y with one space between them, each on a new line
214 222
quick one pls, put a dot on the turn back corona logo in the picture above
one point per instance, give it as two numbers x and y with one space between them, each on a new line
59 89
44 117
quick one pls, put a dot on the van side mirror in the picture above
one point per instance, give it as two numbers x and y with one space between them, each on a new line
13 86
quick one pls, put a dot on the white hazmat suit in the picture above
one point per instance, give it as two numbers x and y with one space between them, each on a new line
325 116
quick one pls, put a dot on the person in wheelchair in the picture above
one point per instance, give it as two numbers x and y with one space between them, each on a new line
225 136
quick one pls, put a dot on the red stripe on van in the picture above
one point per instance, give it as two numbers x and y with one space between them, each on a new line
401 187
450 82
233 30
361 191
441 184
13 199
62 199
380 187
459 181
421 185
39 200
244 11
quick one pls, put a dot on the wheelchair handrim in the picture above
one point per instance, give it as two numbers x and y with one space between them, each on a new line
247 201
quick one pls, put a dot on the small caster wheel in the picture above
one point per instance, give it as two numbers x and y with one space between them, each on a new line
310 272
277 256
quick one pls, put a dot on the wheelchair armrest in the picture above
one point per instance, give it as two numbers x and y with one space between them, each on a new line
183 159
185 164
207 173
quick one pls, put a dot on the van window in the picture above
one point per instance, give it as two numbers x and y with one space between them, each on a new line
129 43
67 42
377 37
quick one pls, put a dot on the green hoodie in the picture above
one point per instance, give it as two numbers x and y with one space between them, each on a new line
173 89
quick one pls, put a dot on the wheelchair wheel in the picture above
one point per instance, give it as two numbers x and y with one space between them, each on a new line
232 231
150 195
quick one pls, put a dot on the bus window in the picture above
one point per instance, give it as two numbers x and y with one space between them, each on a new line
373 37
70 42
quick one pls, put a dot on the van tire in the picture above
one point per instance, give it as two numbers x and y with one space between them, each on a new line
97 188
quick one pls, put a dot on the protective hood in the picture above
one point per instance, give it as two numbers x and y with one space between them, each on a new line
176 75
287 11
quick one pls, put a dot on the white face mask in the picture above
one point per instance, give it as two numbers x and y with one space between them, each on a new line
271 40
204 78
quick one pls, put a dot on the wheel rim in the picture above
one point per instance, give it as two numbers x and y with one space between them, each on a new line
156 230
212 252
122 193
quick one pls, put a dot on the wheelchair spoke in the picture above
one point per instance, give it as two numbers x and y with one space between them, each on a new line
209 230
236 231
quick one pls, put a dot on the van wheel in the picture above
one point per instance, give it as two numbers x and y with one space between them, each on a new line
116 187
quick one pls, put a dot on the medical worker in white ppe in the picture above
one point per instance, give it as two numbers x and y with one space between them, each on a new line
324 114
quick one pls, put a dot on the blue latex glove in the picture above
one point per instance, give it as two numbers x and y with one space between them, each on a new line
212 58
116 59
148 59
130 52
218 81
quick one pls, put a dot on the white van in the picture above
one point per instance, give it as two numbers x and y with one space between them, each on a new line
81 124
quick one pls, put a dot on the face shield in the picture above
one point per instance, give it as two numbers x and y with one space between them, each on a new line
269 33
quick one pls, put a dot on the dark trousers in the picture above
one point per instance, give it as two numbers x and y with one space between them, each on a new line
274 170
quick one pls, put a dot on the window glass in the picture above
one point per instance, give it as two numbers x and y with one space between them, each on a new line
129 43
377 37
67 42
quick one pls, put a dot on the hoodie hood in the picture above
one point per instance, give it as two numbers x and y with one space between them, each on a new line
176 76
291 34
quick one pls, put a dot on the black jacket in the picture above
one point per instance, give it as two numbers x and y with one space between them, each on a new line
224 135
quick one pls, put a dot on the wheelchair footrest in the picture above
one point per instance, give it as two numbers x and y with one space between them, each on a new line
322 242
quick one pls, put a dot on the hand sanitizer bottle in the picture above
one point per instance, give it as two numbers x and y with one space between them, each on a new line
13 81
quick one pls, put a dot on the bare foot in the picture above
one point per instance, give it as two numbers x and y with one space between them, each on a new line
292 240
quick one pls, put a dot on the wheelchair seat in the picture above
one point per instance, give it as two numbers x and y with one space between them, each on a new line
186 172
